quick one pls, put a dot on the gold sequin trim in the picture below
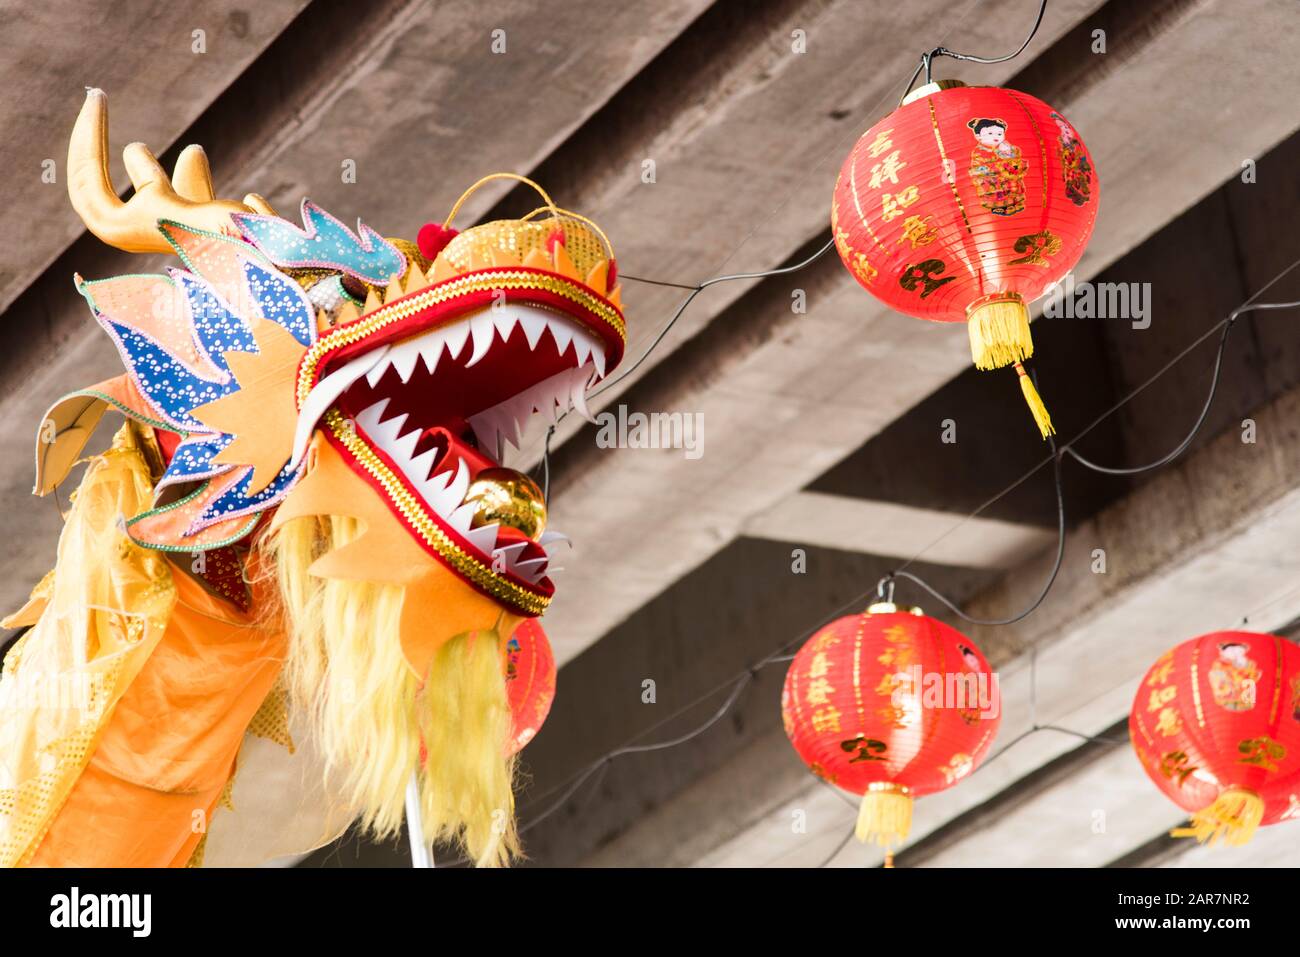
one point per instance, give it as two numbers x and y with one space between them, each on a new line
478 572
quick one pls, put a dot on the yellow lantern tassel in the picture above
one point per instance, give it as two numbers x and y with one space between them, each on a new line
999 331
885 817
1232 818
1035 403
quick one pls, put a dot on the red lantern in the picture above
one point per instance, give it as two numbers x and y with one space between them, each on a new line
965 204
530 681
891 705
1216 725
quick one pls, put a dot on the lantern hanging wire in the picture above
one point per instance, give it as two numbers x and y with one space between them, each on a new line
928 58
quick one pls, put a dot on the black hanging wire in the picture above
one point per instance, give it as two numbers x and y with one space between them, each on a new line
887 581
695 291
940 51
1226 325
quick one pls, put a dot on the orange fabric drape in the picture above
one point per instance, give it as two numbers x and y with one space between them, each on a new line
166 754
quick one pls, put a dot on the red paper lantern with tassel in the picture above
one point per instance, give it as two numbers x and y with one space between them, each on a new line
1216 725
965 204
891 705
530 681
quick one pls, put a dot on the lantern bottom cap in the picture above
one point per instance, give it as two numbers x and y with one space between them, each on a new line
1232 818
999 331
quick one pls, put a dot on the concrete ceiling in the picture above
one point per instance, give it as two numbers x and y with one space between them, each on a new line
821 429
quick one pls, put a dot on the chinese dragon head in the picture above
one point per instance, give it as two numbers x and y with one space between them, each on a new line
329 411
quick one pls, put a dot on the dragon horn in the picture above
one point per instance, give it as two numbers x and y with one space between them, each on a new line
133 225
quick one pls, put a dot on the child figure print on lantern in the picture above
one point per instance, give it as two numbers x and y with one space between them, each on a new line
1075 168
997 168
1233 677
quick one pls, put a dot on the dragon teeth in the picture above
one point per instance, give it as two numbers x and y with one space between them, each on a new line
404 358
483 328
483 538
563 334
454 337
578 395
532 569
533 327
461 517
480 331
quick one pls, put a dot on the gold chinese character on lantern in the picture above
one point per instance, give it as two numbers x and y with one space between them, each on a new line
826 719
894 715
881 143
918 231
1169 723
819 692
1160 670
824 641
1161 697
863 269
958 766
893 204
1262 751
1176 763
886 169
820 667
889 683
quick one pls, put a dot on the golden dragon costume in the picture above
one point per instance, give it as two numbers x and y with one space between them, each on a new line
288 585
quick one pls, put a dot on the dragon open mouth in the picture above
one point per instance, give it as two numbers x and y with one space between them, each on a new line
439 406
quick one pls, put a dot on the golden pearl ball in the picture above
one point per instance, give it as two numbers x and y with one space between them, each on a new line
507 497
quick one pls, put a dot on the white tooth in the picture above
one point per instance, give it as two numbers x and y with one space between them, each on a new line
549 537
437 494
377 373
483 538
431 350
504 318
581 347
534 326
483 330
404 447
404 358
458 486
368 418
579 395
455 336
549 410
532 569
562 397
323 396
488 426
510 553
514 415
598 356
563 333
461 518
484 432
419 467
387 432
